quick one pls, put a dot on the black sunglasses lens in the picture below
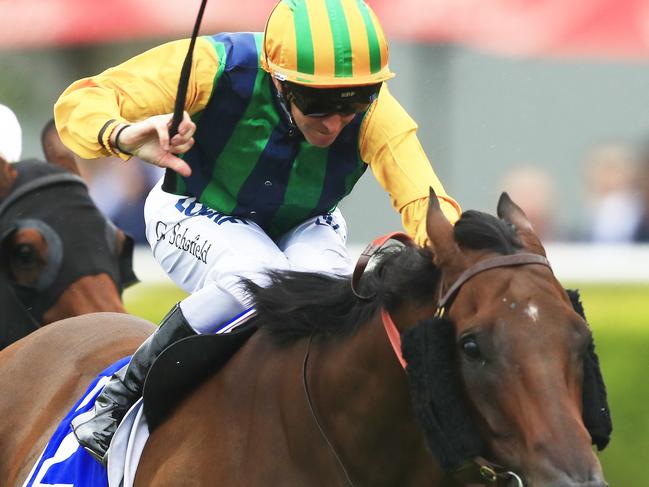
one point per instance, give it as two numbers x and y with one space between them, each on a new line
315 102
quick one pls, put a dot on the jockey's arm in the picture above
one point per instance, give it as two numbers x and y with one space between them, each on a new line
90 110
390 146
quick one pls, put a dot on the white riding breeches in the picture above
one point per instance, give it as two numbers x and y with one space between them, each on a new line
206 253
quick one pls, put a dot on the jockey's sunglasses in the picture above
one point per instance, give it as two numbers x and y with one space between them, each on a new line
322 102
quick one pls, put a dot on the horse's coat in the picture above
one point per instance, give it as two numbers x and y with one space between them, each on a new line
253 424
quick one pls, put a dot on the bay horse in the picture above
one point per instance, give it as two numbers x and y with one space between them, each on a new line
59 256
318 396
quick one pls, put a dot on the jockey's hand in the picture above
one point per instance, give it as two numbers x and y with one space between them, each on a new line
149 140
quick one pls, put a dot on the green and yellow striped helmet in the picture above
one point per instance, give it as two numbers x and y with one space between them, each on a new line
325 43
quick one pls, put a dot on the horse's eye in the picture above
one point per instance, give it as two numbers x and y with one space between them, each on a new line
470 348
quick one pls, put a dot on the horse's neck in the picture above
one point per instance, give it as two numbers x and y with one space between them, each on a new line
362 396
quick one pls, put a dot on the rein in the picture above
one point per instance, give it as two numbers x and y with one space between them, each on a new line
315 416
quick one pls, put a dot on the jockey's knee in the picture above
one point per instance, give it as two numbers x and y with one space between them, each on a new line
231 269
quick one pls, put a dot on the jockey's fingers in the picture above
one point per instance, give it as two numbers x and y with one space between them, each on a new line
187 125
182 148
179 139
162 128
176 164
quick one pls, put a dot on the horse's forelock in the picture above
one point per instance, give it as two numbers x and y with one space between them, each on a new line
481 231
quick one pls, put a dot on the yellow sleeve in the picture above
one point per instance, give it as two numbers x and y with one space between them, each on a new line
389 144
89 109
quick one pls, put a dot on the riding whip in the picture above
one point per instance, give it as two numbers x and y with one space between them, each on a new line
181 94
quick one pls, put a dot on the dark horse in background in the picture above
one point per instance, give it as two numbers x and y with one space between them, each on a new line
318 396
59 256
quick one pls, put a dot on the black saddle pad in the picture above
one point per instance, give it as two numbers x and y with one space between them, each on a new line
185 365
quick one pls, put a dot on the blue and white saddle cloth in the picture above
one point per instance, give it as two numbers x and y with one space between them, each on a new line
64 463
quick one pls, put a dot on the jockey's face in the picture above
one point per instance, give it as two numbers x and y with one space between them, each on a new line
321 130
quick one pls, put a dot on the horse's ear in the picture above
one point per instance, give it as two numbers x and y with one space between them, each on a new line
514 215
439 231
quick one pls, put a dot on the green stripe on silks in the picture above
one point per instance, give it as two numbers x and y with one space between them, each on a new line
341 42
308 172
292 3
372 38
303 39
220 54
236 174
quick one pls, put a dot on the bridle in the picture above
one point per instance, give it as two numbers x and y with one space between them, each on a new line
478 472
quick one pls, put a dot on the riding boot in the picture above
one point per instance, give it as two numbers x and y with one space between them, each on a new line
95 428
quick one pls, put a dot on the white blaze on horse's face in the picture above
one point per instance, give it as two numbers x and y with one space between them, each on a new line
533 312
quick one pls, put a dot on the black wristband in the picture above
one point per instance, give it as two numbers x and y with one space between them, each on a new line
100 135
119 131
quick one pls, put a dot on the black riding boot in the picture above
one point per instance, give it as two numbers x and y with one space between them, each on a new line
95 429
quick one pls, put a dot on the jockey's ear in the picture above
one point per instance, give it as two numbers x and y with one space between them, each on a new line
440 232
7 177
514 215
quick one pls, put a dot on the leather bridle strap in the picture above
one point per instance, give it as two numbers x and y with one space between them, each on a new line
369 252
485 265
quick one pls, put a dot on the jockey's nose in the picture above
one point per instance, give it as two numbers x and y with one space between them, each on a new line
336 121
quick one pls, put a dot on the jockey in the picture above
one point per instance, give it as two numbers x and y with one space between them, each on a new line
278 128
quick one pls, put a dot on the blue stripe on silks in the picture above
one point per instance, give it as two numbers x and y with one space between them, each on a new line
259 201
229 101
342 162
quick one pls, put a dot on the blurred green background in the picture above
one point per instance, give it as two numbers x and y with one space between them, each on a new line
619 317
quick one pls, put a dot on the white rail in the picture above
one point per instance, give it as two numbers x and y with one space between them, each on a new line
571 263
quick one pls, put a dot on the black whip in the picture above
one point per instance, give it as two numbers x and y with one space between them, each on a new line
181 94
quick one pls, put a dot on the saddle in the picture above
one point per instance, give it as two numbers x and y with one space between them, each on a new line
184 366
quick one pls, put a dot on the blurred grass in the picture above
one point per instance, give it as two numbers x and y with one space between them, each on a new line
619 317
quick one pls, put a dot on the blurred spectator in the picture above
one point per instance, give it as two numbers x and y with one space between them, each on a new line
534 190
642 231
119 190
11 135
54 150
615 204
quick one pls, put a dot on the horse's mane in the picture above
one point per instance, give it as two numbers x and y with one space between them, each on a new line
299 304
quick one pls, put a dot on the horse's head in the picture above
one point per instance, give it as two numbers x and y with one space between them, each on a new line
59 256
520 346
